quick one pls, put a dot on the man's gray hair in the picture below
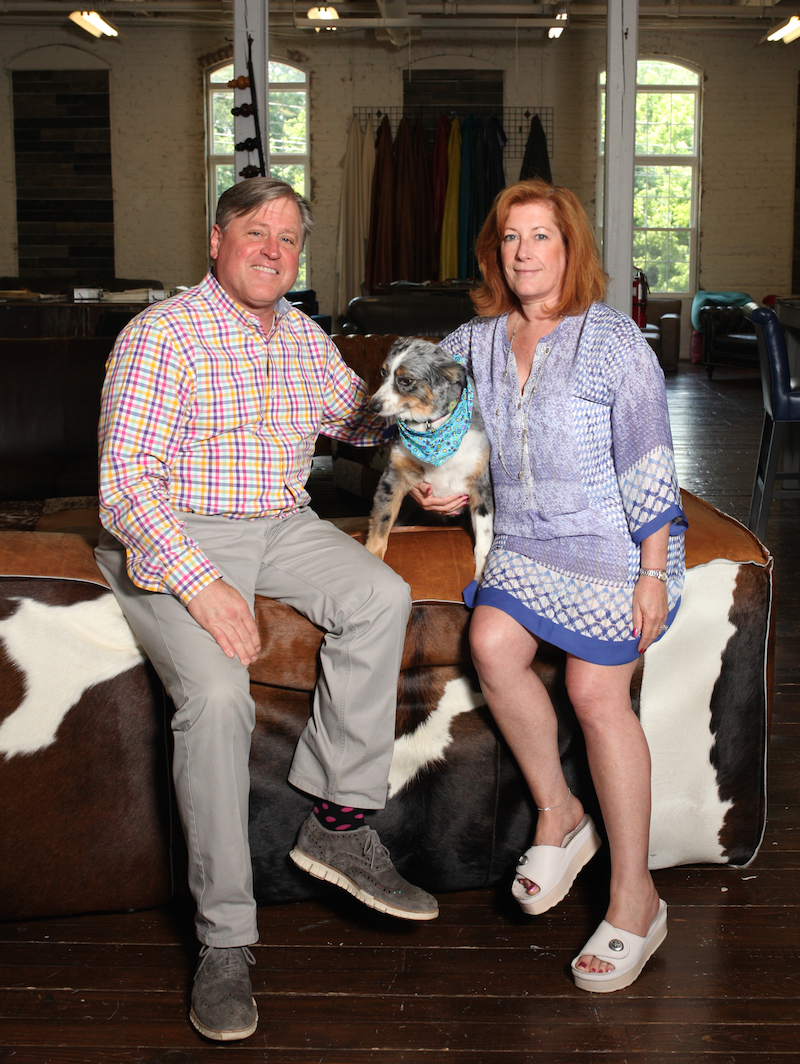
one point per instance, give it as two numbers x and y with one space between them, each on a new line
253 193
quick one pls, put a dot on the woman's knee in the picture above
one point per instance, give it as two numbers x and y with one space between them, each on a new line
596 701
497 644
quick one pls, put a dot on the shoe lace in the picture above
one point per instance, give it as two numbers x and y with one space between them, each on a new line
227 956
374 848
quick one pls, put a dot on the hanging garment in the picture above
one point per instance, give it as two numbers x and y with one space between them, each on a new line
465 194
405 198
379 249
478 207
536 162
350 247
448 251
423 213
494 144
439 179
367 170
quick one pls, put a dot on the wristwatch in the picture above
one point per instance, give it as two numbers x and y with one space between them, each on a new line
657 574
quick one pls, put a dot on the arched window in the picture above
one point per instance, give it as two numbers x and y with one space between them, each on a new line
288 133
666 174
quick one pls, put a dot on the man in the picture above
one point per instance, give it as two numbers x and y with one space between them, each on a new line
212 405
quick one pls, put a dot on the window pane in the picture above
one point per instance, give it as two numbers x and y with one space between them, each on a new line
224 178
293 173
655 72
287 123
662 196
665 123
282 72
665 257
222 133
223 74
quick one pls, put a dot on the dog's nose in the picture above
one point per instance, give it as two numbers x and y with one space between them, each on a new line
375 405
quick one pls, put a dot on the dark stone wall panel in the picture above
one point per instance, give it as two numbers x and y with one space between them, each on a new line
62 140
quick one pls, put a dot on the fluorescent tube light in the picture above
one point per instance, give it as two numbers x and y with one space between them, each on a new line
93 23
787 32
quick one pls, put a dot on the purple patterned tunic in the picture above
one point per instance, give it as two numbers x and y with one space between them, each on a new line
583 471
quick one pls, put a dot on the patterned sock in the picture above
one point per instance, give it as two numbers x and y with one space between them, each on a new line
340 817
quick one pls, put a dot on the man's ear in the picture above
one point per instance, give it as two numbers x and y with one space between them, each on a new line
216 238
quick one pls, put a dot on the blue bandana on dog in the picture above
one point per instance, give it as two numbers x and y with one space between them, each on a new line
437 445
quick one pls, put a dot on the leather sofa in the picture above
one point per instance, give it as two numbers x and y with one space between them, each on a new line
434 311
729 337
84 777
410 310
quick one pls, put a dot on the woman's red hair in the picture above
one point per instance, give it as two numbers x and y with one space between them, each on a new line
584 277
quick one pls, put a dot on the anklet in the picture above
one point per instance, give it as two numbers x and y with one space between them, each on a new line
547 808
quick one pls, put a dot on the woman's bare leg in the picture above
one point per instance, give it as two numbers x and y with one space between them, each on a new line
619 761
503 651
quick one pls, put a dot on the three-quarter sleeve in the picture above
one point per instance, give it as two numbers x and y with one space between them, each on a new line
643 452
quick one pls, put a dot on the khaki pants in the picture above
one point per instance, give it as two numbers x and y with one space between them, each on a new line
345 751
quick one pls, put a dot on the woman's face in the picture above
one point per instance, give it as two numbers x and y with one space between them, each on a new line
533 254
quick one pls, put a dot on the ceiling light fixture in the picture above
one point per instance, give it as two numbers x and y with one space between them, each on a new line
555 31
786 32
326 13
93 23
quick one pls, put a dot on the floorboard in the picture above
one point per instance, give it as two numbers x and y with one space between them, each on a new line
482 985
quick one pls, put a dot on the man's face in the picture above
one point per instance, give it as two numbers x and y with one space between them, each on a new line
256 257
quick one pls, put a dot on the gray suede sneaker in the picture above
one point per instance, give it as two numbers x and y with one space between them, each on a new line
358 862
223 1006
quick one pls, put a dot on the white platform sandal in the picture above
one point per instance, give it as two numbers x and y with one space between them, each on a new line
554 868
627 952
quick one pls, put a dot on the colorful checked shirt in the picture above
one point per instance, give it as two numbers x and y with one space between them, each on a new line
204 412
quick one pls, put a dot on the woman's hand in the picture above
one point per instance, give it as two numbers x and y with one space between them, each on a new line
448 505
650 609
650 601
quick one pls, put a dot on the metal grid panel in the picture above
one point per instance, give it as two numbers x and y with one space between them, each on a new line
516 121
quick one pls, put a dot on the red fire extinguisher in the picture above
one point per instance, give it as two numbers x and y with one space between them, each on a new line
640 290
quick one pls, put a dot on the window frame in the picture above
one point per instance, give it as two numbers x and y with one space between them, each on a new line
663 161
276 159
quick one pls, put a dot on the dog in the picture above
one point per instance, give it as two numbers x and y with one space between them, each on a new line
429 394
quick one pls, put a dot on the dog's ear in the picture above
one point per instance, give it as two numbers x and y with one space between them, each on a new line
456 374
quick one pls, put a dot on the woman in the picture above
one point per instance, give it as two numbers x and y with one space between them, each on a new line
588 549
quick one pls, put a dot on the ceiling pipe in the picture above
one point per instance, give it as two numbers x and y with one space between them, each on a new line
395 14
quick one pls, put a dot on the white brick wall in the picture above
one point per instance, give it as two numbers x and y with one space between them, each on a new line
749 111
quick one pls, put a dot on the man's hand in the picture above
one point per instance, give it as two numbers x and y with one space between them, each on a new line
221 610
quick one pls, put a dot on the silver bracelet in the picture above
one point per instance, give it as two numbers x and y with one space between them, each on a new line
657 574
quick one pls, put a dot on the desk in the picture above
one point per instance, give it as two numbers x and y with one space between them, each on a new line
34 319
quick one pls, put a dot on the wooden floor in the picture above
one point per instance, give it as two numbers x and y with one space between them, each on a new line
482 984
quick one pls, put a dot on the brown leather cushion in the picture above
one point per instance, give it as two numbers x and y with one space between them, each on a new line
436 562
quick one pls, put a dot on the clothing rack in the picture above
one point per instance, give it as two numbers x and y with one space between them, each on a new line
516 121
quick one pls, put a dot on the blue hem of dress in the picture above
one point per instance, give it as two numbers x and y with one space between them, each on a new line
673 515
597 651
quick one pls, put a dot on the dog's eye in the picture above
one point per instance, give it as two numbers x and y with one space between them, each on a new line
405 382
384 372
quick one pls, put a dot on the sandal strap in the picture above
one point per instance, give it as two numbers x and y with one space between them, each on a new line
600 944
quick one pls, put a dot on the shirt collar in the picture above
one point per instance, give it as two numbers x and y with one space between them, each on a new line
216 294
